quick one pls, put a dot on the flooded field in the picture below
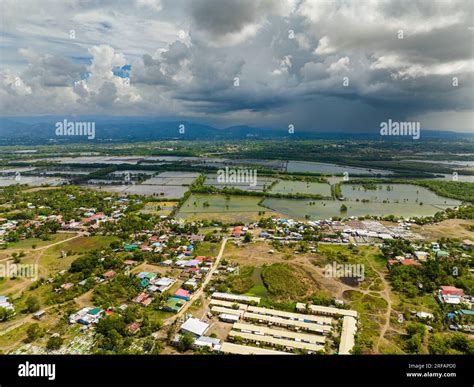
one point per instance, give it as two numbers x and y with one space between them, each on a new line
164 191
262 183
324 209
172 178
220 207
293 187
394 193
170 185
326 168
31 180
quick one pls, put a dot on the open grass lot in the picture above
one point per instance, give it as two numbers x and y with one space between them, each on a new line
207 249
13 337
284 277
158 208
451 228
52 261
28 243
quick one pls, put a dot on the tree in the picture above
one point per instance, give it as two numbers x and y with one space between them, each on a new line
54 343
343 208
34 332
186 342
247 237
5 314
32 304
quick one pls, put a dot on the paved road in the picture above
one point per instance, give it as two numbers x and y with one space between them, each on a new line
200 291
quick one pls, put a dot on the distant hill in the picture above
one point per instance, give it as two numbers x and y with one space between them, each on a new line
41 130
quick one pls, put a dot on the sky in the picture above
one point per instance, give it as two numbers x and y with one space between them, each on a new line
319 65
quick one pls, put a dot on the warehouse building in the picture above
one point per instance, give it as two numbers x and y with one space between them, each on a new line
349 329
278 333
236 349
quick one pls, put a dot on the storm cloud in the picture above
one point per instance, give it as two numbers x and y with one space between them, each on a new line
323 65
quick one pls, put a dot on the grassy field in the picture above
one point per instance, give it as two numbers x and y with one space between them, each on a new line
51 258
28 243
451 228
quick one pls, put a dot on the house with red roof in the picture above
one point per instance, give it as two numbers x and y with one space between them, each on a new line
237 231
451 291
183 294
410 262
109 274
451 295
95 218
133 327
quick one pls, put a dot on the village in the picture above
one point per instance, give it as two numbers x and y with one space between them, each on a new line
168 276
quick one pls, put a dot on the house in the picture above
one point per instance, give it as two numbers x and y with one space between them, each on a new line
4 303
129 262
209 342
183 294
67 286
39 315
130 247
133 328
442 254
191 283
194 326
467 244
109 274
421 255
164 283
192 263
451 290
237 231
450 295
409 262
94 218
424 316
86 316
230 318
391 263
143 299
174 304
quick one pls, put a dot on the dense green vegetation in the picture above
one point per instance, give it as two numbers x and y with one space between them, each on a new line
284 281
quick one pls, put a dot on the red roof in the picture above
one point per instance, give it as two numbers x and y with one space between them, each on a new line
410 262
182 293
133 327
109 274
93 217
451 290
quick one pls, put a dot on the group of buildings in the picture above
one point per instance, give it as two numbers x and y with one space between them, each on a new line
260 330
